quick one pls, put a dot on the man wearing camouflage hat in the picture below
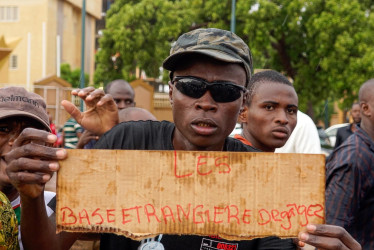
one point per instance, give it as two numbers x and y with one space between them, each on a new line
209 73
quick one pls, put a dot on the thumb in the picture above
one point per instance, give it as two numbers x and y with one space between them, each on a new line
72 110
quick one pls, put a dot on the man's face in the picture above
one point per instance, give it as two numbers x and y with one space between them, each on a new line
271 116
355 113
10 129
203 123
122 94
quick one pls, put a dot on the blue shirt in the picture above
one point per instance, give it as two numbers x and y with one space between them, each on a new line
350 188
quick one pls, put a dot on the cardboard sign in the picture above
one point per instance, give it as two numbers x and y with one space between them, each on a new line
233 195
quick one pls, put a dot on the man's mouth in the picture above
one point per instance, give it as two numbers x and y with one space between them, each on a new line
200 124
281 133
205 128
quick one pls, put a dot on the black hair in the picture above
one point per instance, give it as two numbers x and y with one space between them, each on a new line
266 76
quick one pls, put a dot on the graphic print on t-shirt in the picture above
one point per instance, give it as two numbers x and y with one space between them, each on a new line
210 244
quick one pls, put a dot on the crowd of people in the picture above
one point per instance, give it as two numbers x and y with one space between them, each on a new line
211 86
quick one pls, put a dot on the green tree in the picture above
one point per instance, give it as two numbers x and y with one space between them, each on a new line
324 45
72 76
139 34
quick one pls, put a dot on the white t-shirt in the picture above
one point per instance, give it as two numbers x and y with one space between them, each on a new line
48 197
304 138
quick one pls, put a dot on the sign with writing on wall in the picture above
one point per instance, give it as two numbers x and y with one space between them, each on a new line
229 194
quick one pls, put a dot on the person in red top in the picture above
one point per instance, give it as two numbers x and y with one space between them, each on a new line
269 114
51 124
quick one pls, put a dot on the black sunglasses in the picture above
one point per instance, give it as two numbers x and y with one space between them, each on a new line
221 91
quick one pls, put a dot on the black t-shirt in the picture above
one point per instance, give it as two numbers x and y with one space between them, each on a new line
153 135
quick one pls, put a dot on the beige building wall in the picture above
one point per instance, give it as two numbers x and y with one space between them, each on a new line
143 94
337 116
4 66
156 103
162 107
39 22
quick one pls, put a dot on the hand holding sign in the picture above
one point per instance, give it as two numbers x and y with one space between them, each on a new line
328 237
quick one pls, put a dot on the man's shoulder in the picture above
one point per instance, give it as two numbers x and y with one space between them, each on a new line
234 145
342 130
153 135
151 126
363 137
348 153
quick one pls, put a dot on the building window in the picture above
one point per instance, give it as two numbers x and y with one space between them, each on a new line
13 63
8 13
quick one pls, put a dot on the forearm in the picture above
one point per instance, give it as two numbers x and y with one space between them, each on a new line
37 230
81 144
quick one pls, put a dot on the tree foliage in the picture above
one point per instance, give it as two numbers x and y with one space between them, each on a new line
72 76
323 45
140 33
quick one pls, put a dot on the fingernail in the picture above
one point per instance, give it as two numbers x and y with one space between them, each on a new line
46 177
311 228
61 153
53 166
51 138
304 236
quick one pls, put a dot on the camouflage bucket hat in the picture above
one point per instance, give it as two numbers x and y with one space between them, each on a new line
219 44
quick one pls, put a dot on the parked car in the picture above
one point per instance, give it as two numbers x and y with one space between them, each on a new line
332 130
326 147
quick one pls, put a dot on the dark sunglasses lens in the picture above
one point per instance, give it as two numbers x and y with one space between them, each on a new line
191 87
224 92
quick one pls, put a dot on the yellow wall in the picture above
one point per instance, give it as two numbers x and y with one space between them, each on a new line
59 17
92 8
156 103
4 66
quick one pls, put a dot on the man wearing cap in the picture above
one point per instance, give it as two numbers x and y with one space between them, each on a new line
209 73
19 110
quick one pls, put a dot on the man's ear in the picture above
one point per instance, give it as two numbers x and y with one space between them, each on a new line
244 101
365 109
171 86
245 98
243 114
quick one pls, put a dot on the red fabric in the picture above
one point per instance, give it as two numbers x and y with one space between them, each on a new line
53 128
243 140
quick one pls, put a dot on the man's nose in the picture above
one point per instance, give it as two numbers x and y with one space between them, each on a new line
206 102
282 118
121 104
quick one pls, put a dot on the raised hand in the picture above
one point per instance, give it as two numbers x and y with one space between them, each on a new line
101 114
